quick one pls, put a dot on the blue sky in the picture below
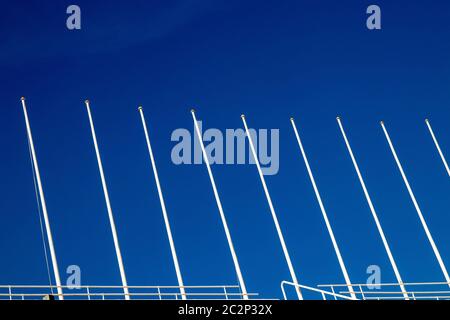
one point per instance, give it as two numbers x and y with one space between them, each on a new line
312 60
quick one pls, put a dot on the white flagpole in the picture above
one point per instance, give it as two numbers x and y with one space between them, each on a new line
163 207
374 214
108 206
416 205
222 214
324 213
272 210
437 146
43 204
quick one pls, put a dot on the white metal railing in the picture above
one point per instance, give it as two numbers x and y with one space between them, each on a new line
37 292
381 291
323 293
391 291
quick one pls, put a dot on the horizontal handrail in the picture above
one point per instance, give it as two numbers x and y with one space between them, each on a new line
385 284
111 291
119 287
399 292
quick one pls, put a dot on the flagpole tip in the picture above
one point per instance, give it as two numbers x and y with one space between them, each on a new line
243 116
338 118
22 98
426 120
140 108
291 118
192 110
86 101
382 122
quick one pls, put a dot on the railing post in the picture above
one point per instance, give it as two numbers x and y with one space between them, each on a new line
225 291
323 296
10 292
362 293
88 293
334 293
159 293
282 290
